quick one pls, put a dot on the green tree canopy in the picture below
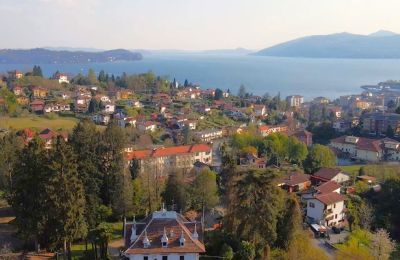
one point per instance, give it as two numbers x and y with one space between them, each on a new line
319 156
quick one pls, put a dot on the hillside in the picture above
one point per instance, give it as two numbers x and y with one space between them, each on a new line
45 56
379 45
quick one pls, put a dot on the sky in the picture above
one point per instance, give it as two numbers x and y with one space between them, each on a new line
186 24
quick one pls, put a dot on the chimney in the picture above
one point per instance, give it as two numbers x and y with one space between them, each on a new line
146 241
195 234
164 239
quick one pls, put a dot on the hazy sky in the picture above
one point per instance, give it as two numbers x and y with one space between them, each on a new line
185 24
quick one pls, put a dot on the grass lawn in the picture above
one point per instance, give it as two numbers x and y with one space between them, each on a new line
351 168
38 123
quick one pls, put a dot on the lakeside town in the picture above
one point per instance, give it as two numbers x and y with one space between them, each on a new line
102 166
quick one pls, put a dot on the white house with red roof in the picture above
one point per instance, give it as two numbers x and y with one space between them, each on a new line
330 174
266 130
325 205
164 235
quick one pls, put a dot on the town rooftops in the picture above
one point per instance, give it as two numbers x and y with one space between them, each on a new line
168 151
329 198
180 234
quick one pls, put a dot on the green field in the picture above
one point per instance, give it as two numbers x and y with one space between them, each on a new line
38 123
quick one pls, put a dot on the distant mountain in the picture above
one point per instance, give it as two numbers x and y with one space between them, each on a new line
73 49
379 45
42 56
237 51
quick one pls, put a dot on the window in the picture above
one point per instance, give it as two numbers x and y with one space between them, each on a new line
145 258
164 257
312 205
334 205
164 244
182 257
335 216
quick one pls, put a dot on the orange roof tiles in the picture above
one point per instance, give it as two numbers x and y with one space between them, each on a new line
168 151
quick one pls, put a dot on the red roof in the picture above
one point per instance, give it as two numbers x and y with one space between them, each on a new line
327 173
327 187
168 151
330 198
155 230
295 178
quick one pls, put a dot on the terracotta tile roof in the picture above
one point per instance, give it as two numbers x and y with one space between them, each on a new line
155 229
330 198
294 178
168 151
327 173
368 144
327 187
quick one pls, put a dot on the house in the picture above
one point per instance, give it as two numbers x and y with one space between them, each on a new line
295 182
253 161
208 135
56 108
304 136
266 130
101 119
295 100
39 92
320 100
37 106
23 100
259 110
130 121
330 174
146 126
15 74
62 78
175 157
109 108
103 98
18 90
164 235
48 135
341 126
326 209
366 149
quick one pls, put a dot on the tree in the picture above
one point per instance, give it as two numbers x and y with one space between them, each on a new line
85 141
94 106
289 224
102 76
134 168
226 252
301 248
92 77
37 71
390 132
219 94
257 206
28 197
10 145
381 245
242 91
66 196
204 190
175 193
246 251
319 156
112 164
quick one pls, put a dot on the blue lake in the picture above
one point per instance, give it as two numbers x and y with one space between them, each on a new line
307 77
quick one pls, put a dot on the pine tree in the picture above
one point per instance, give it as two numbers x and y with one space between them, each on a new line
28 197
10 145
85 141
92 77
175 193
66 197
289 224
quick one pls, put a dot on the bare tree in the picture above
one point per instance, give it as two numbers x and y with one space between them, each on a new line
366 215
382 245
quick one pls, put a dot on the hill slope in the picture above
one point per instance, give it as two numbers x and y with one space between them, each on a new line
382 44
38 56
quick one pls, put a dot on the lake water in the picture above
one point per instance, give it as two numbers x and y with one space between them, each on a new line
307 77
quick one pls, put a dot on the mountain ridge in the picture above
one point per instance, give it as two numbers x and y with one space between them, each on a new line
46 56
378 45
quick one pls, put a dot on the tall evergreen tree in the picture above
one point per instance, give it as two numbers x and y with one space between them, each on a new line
85 141
289 224
37 71
28 197
10 145
66 197
175 193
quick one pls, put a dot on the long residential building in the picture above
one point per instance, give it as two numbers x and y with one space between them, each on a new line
378 123
176 157
366 149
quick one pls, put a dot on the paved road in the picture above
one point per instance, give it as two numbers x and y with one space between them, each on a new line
319 242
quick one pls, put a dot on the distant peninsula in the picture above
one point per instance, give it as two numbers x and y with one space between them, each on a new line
378 45
46 56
